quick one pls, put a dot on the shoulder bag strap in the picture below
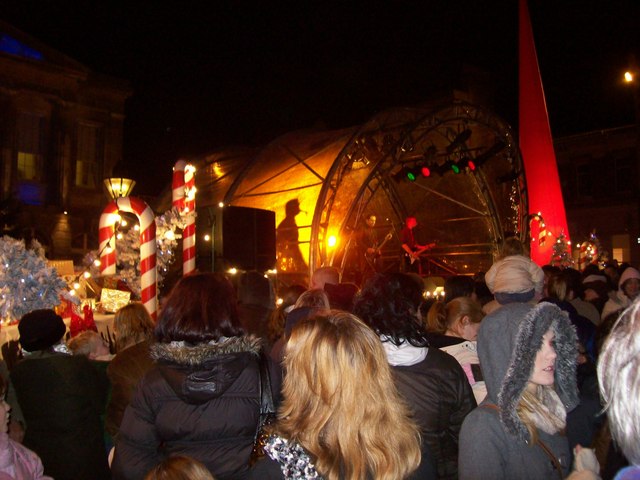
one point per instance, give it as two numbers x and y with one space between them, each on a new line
554 459
267 409
266 394
492 406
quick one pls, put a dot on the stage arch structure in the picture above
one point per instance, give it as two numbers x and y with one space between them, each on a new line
321 185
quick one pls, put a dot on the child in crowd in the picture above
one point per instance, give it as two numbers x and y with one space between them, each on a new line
91 345
514 277
179 467
16 462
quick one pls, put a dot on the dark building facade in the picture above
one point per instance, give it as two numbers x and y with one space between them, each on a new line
61 128
600 179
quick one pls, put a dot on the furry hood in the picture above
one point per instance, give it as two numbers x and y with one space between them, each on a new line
508 341
182 353
199 373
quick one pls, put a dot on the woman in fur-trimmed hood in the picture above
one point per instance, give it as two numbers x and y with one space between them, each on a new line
202 397
528 359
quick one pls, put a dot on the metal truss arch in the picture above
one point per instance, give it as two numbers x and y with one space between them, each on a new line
472 210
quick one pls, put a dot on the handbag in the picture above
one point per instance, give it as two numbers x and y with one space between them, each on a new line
267 410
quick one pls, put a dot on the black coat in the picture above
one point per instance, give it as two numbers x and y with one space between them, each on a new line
202 401
439 394
62 398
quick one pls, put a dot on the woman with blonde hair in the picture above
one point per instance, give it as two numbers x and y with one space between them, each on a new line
316 298
341 417
460 318
514 277
134 333
308 304
132 325
528 356
453 327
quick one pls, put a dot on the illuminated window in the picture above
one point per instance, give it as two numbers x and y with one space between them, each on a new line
89 155
30 139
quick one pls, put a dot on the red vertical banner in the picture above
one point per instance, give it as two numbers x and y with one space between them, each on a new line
536 145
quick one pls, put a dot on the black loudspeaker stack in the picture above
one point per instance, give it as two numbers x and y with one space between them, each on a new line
244 238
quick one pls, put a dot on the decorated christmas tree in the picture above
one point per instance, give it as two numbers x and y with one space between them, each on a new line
26 281
561 256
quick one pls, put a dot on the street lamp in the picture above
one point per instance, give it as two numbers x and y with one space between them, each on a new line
629 76
119 187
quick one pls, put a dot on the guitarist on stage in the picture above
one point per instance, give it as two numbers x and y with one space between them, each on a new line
411 247
369 245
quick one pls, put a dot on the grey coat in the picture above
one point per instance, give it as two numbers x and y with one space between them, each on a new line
494 443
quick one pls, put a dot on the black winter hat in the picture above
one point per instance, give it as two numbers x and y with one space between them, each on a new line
40 329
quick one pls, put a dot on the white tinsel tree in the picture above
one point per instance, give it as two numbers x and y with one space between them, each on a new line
27 283
128 250
561 256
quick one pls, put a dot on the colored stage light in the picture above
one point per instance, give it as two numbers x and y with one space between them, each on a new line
411 176
425 171
455 168
471 165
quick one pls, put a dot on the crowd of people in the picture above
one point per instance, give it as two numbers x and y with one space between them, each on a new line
521 373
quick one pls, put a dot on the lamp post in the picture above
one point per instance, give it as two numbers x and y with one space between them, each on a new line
632 78
118 187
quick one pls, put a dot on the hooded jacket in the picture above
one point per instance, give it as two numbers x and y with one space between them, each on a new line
495 443
620 300
201 400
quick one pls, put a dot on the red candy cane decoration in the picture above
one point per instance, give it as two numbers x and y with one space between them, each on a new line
148 272
106 230
542 232
184 199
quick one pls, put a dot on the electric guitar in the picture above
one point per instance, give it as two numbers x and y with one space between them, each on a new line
376 248
416 255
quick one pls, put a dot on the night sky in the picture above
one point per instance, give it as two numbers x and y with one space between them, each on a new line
211 74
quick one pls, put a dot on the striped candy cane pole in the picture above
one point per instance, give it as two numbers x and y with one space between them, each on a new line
148 272
177 185
184 199
106 231
582 257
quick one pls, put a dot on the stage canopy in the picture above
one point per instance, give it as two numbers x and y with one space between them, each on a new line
322 184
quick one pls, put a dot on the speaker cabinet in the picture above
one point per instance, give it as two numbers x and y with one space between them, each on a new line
244 238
